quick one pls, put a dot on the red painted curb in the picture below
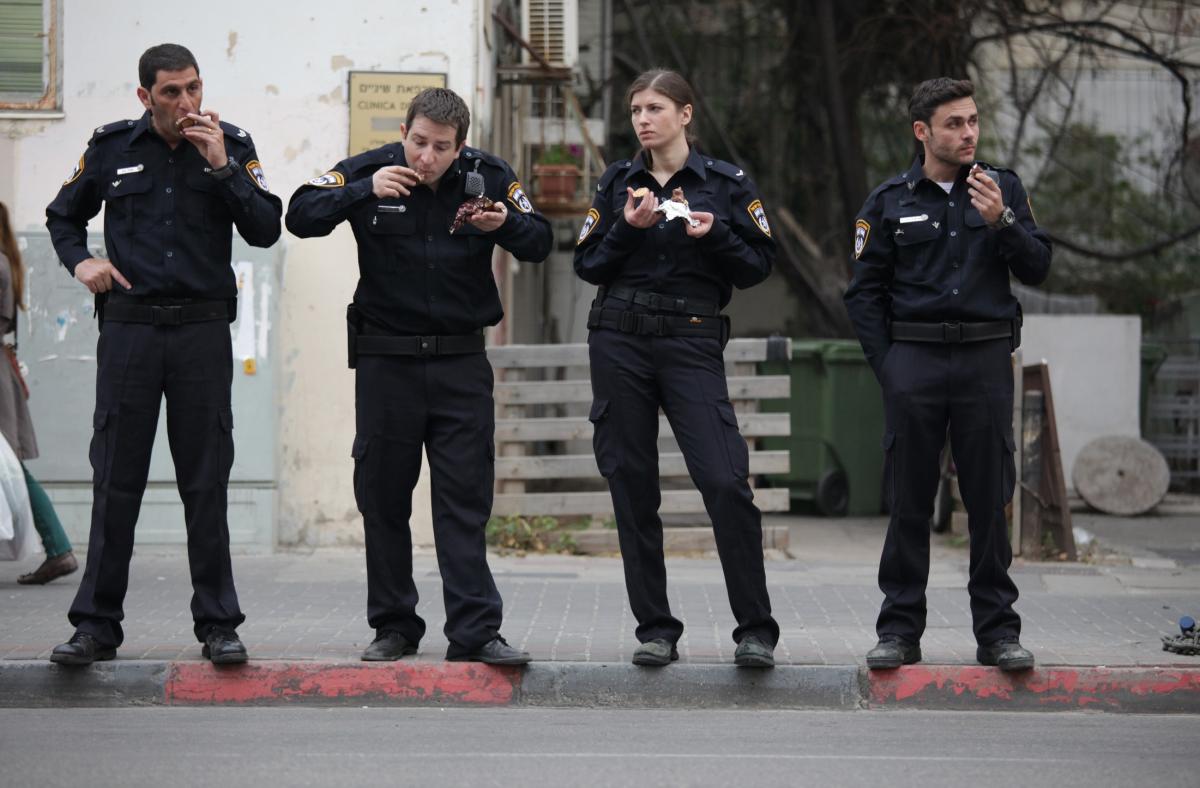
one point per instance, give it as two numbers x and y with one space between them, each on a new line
439 683
1059 688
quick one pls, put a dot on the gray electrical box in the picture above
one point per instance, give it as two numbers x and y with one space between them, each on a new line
57 342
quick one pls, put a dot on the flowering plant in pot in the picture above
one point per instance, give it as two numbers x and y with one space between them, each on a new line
557 172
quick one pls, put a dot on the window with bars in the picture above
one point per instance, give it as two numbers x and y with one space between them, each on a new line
29 54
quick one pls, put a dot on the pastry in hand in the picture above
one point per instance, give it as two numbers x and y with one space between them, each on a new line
473 207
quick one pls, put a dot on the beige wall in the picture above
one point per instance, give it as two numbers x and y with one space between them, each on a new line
279 69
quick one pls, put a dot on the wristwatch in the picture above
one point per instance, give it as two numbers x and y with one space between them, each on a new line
223 173
1007 219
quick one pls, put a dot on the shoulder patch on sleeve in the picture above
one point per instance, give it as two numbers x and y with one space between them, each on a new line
75 173
254 169
862 231
589 224
236 132
110 128
725 168
330 180
759 215
516 195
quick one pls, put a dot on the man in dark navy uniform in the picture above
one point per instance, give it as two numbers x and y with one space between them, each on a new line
174 183
930 300
416 325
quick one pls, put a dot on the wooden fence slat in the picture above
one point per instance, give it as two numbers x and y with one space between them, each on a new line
752 425
576 355
600 503
565 391
583 466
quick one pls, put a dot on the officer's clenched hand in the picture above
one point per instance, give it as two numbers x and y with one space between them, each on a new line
490 220
985 195
208 138
97 275
699 231
640 214
393 181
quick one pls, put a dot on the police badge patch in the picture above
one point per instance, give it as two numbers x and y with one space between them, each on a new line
589 224
755 209
516 195
254 168
330 180
75 173
862 231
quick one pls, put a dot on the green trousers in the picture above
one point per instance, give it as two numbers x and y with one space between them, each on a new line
45 520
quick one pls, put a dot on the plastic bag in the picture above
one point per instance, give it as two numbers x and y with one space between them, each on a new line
16 515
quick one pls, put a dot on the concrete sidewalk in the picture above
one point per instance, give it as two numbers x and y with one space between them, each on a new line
1094 629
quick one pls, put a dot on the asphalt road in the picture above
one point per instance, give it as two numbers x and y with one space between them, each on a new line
586 747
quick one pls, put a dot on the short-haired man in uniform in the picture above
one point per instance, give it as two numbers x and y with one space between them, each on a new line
424 296
931 303
175 183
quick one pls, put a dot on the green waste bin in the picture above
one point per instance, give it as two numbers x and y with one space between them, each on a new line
1153 356
837 423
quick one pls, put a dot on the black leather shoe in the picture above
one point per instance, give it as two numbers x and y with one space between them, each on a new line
82 649
1008 655
892 653
388 646
223 647
655 653
752 652
494 652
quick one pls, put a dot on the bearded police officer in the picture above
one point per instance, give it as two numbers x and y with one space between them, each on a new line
425 293
931 303
175 183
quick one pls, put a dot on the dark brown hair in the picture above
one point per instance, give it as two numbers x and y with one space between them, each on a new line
933 93
672 85
8 245
441 106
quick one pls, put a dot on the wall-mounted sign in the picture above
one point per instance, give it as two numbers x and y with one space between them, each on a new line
378 103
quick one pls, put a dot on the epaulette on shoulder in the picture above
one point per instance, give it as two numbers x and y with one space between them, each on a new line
896 180
725 168
236 132
370 158
112 128
614 169
471 155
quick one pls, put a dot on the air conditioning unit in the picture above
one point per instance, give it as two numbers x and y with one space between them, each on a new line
552 28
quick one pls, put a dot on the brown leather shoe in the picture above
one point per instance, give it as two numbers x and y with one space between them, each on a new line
51 568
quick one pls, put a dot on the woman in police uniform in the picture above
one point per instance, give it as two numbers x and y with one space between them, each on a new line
656 336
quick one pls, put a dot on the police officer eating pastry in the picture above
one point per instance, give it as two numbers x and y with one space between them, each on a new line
175 183
427 213
931 303
671 232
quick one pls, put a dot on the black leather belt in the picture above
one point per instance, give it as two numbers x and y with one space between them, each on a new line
382 345
160 311
952 333
657 325
660 302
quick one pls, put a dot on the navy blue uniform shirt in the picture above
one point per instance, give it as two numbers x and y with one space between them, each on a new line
736 251
415 278
167 222
923 255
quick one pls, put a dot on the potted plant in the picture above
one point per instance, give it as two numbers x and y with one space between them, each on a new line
557 173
